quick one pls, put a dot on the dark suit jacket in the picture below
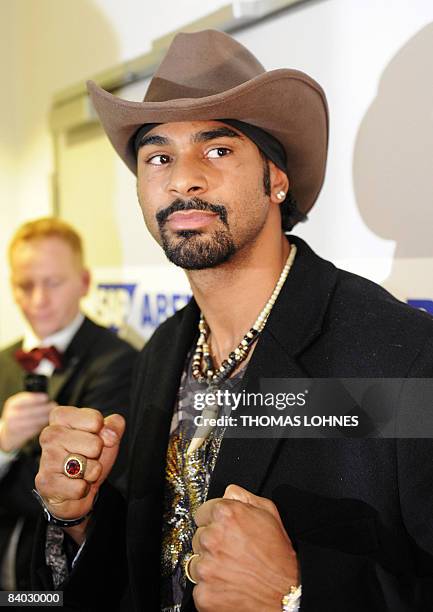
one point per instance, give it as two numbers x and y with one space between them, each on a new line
359 511
96 374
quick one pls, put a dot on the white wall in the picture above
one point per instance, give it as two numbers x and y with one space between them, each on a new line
9 151
45 46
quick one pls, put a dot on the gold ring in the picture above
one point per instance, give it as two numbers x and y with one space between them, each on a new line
187 562
74 466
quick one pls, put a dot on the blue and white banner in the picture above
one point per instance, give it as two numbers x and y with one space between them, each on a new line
135 301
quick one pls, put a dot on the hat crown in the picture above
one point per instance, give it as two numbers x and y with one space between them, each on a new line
202 64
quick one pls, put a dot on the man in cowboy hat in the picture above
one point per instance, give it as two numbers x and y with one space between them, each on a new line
215 522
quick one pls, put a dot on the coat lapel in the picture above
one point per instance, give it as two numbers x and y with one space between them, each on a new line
245 461
12 374
294 323
59 378
155 401
76 351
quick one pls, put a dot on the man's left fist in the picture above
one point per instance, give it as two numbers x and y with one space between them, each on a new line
246 559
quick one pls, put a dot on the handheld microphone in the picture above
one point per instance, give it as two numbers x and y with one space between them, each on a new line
36 383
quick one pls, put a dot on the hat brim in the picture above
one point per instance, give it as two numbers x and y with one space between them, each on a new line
286 103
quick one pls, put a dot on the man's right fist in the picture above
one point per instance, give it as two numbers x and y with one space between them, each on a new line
82 431
24 415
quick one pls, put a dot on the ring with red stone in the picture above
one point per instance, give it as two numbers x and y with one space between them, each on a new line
74 466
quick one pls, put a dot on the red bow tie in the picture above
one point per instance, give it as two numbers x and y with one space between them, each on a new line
30 361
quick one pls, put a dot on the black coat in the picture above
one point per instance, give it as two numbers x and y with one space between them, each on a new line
96 373
359 511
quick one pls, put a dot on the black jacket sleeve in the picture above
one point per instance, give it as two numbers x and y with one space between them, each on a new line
415 474
99 578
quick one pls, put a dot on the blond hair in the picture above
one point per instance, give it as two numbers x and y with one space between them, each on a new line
48 227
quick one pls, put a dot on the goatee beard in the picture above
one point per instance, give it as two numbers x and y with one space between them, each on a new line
191 249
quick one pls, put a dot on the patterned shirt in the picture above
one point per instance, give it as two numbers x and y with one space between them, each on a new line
187 482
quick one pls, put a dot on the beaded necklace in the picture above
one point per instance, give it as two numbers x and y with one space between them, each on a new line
203 368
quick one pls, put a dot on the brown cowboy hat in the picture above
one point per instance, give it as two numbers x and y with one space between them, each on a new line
210 76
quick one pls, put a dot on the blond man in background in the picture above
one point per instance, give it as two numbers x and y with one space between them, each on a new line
83 364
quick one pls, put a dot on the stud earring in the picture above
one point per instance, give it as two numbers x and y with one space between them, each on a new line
281 195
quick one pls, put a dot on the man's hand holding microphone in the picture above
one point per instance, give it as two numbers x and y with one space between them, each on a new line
25 414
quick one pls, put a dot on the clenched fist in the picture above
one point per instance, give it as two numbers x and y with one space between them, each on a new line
24 415
81 431
245 557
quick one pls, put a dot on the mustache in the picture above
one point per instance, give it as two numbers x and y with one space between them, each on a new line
192 204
